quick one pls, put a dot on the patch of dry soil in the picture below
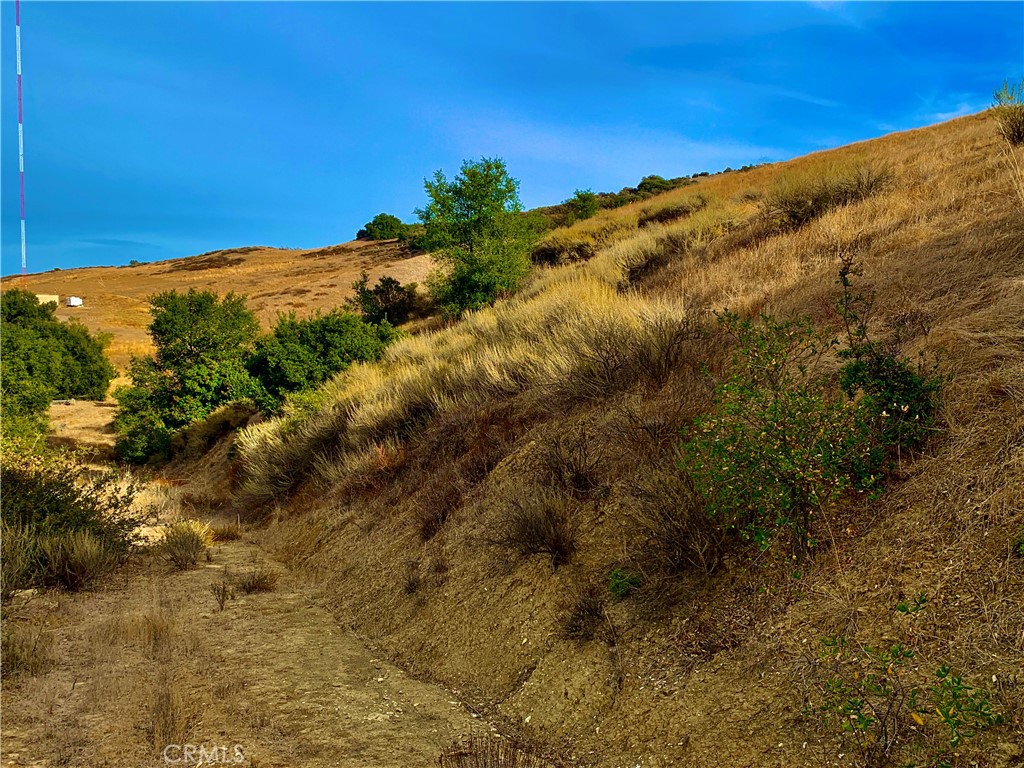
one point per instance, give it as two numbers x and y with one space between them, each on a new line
150 661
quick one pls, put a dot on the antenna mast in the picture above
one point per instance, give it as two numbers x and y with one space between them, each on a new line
21 137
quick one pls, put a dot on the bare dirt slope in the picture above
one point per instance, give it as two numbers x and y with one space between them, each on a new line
274 279
151 661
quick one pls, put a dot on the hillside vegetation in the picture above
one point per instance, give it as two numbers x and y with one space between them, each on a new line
500 505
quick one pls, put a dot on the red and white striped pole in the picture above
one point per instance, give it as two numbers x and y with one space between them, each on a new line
21 136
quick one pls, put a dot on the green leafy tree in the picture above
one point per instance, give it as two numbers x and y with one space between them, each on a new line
478 205
582 205
475 225
383 226
42 359
301 354
202 341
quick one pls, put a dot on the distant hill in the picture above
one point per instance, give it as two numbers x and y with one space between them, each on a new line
274 279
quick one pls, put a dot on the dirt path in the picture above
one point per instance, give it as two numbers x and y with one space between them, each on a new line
150 661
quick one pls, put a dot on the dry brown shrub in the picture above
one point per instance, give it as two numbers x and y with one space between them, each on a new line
584 617
575 463
665 213
678 536
538 522
490 752
436 501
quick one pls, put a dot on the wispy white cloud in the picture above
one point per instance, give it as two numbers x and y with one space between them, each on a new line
961 109
613 152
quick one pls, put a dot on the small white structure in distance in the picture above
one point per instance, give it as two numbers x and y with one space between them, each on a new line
73 301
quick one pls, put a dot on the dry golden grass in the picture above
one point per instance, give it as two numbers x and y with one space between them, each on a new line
27 650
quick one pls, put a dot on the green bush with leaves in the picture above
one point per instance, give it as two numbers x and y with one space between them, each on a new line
582 205
623 582
202 342
43 359
62 525
902 402
301 354
475 225
1008 111
387 300
780 445
884 709
383 226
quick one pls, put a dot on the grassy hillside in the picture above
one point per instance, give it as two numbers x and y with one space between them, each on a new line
274 279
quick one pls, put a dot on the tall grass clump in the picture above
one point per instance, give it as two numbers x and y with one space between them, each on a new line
1008 111
184 542
797 199
25 650
568 337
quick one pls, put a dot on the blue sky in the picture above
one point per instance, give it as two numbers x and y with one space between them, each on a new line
157 130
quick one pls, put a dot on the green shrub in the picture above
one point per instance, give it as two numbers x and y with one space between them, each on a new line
302 354
202 341
388 300
383 226
779 446
622 583
471 280
902 403
475 225
582 205
1008 111
871 696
